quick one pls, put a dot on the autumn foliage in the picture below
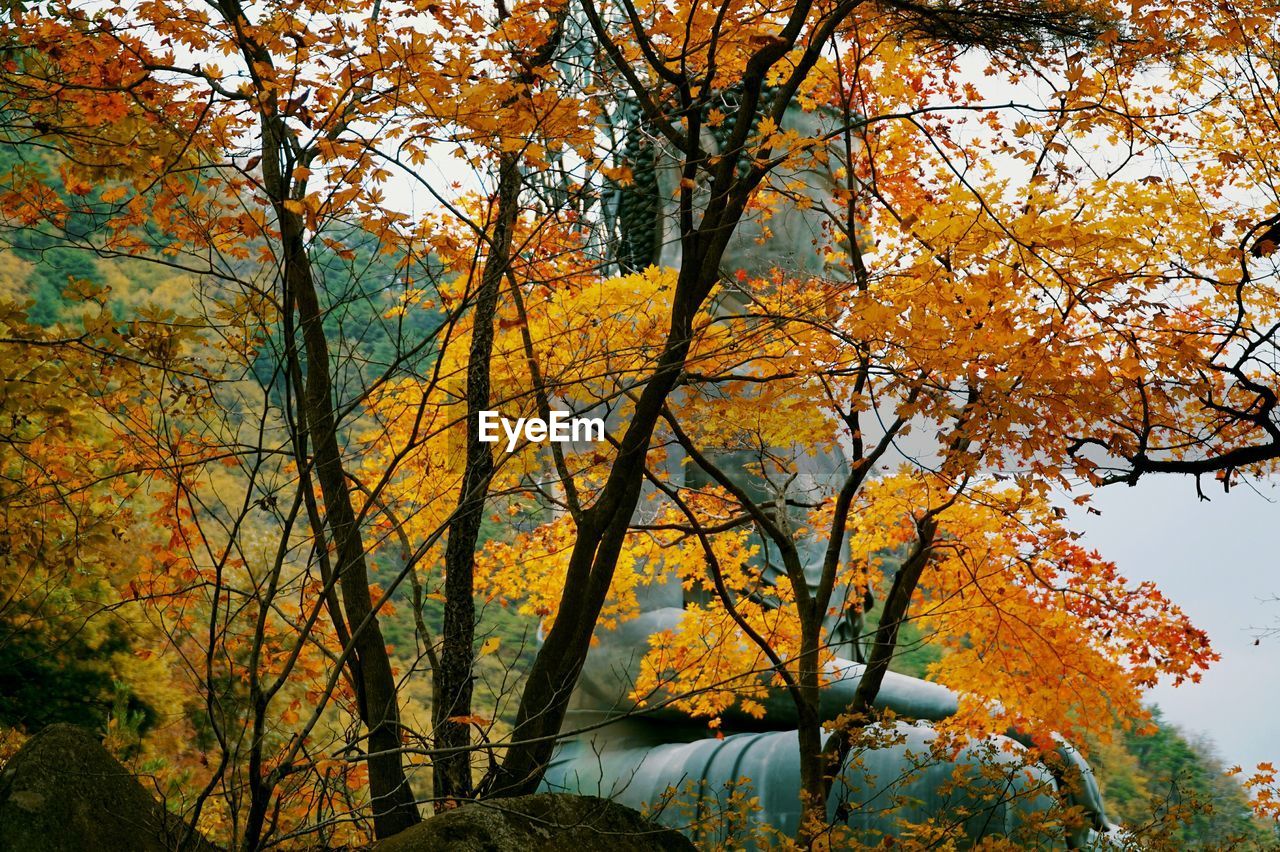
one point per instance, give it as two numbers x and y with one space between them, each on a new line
322 236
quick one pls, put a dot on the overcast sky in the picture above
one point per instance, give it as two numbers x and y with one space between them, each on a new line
1217 560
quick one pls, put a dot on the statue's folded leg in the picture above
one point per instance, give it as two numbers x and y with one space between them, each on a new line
989 789
647 745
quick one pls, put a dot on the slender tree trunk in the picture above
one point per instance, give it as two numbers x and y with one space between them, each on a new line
453 678
813 785
601 532
884 644
896 605
393 801
260 791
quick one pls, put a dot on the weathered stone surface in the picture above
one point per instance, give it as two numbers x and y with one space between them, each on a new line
542 822
64 792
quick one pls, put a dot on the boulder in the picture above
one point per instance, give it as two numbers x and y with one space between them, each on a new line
63 792
542 822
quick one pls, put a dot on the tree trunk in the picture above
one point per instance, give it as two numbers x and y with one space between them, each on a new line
393 802
601 533
813 784
453 678
885 642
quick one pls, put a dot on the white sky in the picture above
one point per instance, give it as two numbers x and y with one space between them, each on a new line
1218 561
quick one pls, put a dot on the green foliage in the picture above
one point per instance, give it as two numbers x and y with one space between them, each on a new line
46 679
362 287
1171 791
53 262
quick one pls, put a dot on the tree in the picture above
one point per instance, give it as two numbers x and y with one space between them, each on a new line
1025 322
124 108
